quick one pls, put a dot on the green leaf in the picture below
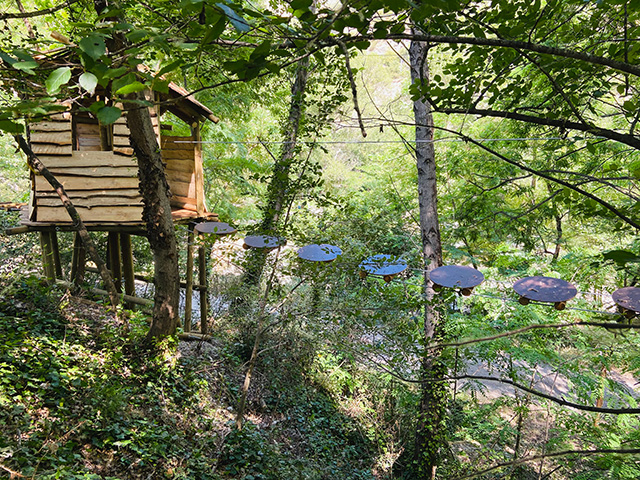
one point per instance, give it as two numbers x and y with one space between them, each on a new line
57 78
123 81
131 88
94 107
94 46
9 126
108 115
160 85
88 81
136 35
621 257
26 66
169 68
236 20
215 31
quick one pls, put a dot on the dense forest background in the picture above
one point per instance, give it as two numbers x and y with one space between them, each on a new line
310 371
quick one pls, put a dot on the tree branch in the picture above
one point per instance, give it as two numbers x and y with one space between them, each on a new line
631 140
37 13
506 43
563 453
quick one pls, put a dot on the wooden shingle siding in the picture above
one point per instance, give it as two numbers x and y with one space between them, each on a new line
178 154
95 214
51 137
103 187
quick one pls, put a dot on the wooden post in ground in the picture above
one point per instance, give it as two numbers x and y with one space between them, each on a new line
127 267
78 259
48 263
114 260
56 253
204 293
188 299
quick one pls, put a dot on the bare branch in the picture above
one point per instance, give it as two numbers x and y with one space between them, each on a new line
37 13
563 453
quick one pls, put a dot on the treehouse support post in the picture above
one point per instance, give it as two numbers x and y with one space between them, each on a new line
113 249
202 271
127 267
78 258
56 253
48 262
188 299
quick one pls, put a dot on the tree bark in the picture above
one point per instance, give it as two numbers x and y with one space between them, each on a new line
156 212
157 217
429 427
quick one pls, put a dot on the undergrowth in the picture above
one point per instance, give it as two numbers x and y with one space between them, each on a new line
81 398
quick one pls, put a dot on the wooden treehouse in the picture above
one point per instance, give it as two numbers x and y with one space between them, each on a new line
99 173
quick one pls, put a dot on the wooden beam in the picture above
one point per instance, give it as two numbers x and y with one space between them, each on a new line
113 252
204 292
199 169
78 261
56 253
48 265
188 299
127 266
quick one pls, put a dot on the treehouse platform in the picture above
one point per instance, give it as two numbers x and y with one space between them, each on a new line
96 165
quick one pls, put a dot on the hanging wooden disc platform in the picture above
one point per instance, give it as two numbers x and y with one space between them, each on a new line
383 265
263 241
456 276
628 301
319 253
545 289
217 228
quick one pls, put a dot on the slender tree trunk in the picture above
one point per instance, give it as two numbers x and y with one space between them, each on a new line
156 211
279 189
429 427
157 217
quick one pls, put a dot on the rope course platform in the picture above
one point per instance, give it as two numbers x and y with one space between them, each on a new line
319 253
263 241
545 289
628 301
216 228
456 276
383 265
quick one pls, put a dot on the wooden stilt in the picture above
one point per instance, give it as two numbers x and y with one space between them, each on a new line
127 267
188 299
47 257
114 260
56 253
204 291
78 261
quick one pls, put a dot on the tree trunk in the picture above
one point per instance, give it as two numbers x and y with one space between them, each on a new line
429 428
156 212
157 216
279 190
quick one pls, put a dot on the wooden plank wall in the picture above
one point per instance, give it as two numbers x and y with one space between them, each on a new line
178 153
102 185
52 137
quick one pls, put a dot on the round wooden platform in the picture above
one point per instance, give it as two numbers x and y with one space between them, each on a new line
627 299
263 241
382 265
217 228
456 276
319 253
545 289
